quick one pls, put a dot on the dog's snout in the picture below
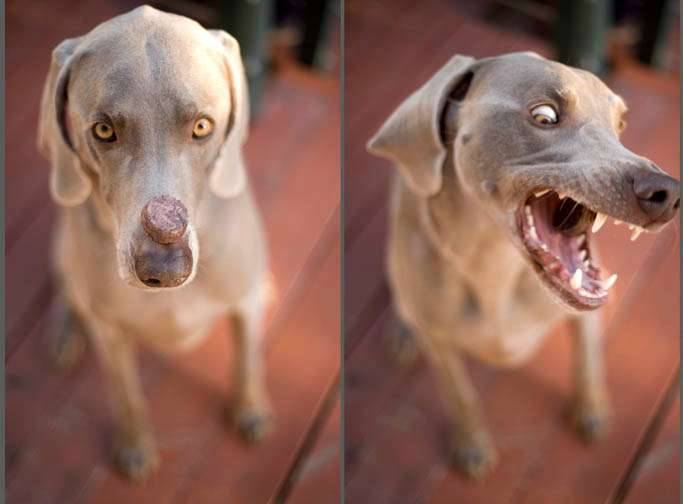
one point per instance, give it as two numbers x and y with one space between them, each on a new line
658 195
162 266
164 219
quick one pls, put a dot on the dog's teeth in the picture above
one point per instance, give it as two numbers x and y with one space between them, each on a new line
609 282
617 222
541 193
581 240
600 220
561 195
582 254
587 263
577 277
544 247
533 234
636 233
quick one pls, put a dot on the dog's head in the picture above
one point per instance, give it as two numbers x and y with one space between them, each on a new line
143 115
536 145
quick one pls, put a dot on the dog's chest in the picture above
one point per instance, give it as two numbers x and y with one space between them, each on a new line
504 316
174 320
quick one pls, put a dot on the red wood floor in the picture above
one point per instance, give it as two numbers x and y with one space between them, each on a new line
395 426
58 425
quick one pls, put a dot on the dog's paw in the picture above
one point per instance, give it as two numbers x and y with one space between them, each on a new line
476 457
136 461
590 419
252 424
401 344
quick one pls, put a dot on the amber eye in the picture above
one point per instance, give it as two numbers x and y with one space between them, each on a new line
544 114
202 128
104 132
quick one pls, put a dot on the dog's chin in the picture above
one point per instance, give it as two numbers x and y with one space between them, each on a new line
555 233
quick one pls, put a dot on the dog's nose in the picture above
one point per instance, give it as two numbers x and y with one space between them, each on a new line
164 219
160 266
658 195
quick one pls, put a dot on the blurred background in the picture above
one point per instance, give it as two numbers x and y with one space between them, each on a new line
395 426
58 426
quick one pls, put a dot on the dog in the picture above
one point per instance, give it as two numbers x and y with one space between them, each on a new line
506 168
143 121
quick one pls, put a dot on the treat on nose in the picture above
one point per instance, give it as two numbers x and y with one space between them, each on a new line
658 195
164 218
162 256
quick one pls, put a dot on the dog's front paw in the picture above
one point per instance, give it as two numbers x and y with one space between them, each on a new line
252 423
474 455
590 419
136 460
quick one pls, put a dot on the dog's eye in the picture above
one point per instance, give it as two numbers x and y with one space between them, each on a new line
104 132
544 114
202 128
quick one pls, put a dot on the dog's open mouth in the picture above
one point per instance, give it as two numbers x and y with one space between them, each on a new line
555 230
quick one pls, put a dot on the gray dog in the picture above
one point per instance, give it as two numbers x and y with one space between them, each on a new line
507 166
143 121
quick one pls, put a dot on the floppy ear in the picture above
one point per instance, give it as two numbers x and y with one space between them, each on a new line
228 177
411 137
69 184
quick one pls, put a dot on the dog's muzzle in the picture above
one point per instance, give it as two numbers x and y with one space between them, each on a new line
162 255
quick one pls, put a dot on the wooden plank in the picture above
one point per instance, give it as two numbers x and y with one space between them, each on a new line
319 479
657 479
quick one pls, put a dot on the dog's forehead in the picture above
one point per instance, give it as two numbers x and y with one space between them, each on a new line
529 77
153 56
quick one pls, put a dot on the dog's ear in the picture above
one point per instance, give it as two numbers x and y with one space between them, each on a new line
69 185
411 137
228 176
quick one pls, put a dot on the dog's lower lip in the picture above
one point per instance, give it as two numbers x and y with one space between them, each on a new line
556 237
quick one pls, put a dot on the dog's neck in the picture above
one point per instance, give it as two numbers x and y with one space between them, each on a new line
467 236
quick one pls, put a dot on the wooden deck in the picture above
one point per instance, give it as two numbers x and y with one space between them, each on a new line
58 426
395 425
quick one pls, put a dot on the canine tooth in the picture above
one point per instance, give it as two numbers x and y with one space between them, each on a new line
609 282
561 195
583 254
541 193
575 282
636 233
581 240
600 220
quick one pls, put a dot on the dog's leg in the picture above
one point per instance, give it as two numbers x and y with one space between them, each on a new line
251 411
590 406
135 451
472 448
67 336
